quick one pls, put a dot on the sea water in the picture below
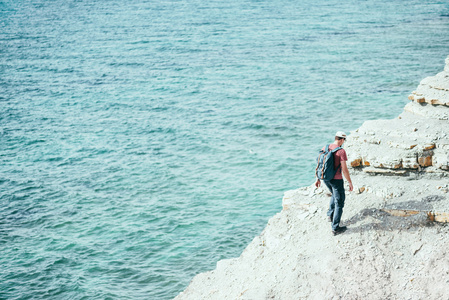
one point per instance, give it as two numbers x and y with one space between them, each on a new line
143 141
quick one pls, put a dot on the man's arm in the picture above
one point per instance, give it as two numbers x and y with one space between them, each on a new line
344 169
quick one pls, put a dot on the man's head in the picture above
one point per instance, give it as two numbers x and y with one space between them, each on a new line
340 137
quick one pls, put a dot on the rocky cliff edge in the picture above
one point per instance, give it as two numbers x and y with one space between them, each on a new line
416 142
396 243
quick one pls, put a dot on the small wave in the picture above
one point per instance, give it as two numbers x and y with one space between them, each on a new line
126 64
139 42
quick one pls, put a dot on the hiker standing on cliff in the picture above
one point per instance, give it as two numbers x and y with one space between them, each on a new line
335 157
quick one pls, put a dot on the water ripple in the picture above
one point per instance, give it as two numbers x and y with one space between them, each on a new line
141 142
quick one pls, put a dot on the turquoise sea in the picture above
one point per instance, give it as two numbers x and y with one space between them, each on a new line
143 141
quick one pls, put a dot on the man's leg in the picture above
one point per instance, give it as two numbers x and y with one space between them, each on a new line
339 201
330 212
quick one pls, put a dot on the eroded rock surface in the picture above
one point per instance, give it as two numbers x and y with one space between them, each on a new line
415 142
433 90
380 256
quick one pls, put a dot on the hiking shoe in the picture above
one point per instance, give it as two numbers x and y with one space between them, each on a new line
339 230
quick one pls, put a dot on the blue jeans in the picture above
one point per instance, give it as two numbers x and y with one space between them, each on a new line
336 187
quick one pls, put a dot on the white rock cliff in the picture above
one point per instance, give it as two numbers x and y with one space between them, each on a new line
381 255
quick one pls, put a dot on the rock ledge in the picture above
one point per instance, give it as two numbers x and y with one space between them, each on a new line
414 143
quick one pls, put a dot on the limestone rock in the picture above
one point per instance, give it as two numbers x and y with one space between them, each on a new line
425 161
388 242
433 90
356 162
441 161
384 171
427 111
416 141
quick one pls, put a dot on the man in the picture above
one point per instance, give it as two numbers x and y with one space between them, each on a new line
336 185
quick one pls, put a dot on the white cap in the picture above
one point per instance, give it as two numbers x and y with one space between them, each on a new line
341 134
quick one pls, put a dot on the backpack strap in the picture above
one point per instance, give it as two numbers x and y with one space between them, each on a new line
333 152
336 149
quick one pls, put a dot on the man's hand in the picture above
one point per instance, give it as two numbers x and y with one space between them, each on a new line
344 169
317 183
351 188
